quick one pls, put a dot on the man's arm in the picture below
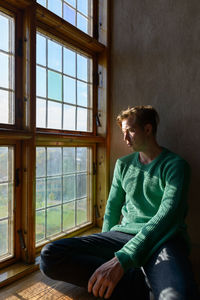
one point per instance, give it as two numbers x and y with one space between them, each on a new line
115 200
106 277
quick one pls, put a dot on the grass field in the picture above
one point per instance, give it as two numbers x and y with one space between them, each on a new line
53 221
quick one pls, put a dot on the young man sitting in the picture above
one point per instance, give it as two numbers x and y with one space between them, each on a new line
148 194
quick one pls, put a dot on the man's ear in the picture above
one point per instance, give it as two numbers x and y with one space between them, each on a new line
148 129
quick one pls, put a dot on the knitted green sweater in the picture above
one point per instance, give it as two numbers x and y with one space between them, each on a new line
152 201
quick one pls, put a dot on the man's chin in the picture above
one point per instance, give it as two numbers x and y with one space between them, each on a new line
130 146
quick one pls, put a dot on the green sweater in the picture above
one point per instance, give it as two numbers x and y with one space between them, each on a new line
152 201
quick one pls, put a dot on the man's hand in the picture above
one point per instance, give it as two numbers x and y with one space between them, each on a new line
105 278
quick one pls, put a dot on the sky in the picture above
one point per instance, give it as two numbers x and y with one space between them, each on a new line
69 11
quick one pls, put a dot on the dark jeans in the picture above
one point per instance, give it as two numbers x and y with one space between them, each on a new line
168 271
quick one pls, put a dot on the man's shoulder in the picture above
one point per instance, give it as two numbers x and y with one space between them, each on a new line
172 156
173 161
127 159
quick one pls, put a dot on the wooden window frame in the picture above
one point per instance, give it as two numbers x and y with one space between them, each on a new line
30 16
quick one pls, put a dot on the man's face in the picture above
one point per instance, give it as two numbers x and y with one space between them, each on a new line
134 135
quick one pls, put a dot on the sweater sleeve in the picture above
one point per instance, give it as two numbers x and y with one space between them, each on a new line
115 201
168 220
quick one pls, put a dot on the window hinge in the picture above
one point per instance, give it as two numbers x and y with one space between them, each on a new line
21 239
17 179
96 79
20 48
94 168
97 214
98 123
96 31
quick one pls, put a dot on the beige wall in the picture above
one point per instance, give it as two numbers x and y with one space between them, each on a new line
155 59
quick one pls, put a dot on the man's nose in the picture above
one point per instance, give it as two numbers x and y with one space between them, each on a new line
125 136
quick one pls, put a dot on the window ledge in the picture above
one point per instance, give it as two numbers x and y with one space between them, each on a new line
20 269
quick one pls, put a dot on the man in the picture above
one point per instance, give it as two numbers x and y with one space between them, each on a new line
149 192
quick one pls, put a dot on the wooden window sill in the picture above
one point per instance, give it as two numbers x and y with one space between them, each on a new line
20 269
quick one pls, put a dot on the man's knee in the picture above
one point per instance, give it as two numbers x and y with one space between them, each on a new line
51 258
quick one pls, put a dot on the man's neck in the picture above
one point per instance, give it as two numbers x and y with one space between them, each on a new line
150 153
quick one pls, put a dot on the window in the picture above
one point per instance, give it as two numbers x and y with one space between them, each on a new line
63 190
51 130
6 201
64 87
7 69
76 12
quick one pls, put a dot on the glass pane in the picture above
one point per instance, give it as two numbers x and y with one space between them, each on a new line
68 215
55 6
54 191
40 162
58 193
81 185
69 117
82 119
54 115
54 161
81 159
54 85
40 225
69 62
3 164
40 193
41 50
3 200
62 88
82 6
69 90
69 14
68 188
82 67
4 237
6 107
4 25
71 2
53 220
6 201
54 56
81 211
41 113
68 160
82 23
83 94
41 82
70 10
4 70
42 2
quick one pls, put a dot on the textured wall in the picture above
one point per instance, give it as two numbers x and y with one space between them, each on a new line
155 59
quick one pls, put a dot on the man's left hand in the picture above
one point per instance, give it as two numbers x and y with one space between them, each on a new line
105 278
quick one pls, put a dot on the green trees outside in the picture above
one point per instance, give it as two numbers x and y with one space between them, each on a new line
61 189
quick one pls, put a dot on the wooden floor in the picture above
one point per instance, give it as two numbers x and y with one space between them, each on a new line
37 286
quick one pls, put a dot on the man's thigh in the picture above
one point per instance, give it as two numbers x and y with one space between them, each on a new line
75 259
101 244
170 274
